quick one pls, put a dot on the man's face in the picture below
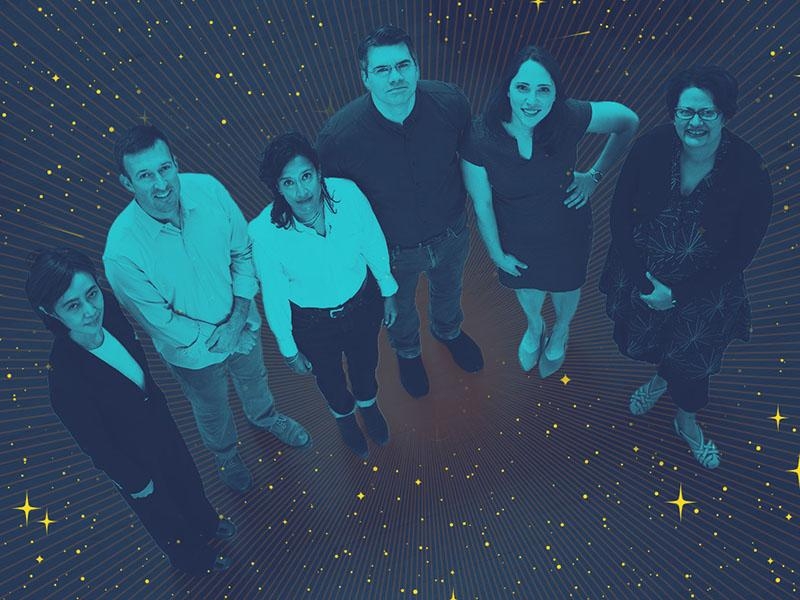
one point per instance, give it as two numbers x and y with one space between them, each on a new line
152 177
392 74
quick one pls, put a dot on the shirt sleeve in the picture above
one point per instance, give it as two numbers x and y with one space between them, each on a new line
580 116
140 297
373 243
243 274
471 149
328 155
274 290
751 226
621 219
74 406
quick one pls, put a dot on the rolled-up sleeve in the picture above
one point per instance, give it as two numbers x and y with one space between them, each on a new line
243 275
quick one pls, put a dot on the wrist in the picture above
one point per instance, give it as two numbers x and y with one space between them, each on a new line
596 174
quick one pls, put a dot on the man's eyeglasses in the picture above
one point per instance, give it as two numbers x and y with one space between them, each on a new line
706 114
383 71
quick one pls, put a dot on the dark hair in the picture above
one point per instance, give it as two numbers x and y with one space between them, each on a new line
136 139
715 80
51 274
385 35
498 108
278 153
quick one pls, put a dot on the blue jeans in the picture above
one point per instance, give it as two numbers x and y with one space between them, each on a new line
443 262
207 391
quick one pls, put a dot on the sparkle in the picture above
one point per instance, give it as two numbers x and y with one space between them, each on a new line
418 482
39 559
26 508
360 495
46 522
680 502
453 595
55 77
144 118
538 4
565 380
796 470
778 417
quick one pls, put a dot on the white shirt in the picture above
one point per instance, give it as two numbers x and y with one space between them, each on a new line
179 284
113 353
313 271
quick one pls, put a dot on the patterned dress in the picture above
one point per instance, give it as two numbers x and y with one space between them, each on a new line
687 341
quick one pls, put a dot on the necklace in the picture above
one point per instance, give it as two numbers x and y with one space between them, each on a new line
313 220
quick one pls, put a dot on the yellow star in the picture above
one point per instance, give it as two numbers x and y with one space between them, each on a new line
39 559
796 470
565 380
418 482
360 495
26 508
144 118
538 4
46 522
55 77
778 417
680 502
453 596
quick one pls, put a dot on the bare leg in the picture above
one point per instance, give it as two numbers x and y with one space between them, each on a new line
531 302
565 304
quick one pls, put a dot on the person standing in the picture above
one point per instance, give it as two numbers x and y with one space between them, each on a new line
400 143
178 257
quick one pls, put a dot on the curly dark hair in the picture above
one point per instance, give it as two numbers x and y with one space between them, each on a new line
278 153
718 82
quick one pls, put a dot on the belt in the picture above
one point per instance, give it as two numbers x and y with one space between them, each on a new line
337 311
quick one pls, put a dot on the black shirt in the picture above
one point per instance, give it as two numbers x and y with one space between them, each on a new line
410 173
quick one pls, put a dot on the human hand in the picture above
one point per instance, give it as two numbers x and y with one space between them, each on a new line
148 489
661 296
247 341
299 363
580 189
225 338
510 264
389 310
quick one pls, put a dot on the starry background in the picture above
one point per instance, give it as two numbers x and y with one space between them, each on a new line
496 485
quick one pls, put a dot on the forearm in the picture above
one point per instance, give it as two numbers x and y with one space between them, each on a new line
616 144
487 225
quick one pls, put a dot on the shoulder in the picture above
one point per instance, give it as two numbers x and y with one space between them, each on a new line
443 93
262 226
657 139
199 180
344 118
64 372
742 153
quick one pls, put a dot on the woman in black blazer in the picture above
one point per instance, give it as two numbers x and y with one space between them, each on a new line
102 390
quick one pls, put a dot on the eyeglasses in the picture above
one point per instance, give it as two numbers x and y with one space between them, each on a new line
383 71
706 114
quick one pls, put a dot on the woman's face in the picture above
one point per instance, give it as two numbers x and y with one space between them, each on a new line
80 308
300 184
531 94
696 133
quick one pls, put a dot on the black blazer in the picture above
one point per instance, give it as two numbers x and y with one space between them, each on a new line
734 219
113 421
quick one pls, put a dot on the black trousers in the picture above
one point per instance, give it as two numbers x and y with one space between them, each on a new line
690 395
177 514
324 335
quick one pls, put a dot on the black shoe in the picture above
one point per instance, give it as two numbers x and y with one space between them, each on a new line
465 352
226 530
413 376
235 475
376 425
221 563
352 435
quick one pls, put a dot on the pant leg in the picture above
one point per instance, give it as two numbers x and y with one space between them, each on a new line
361 348
690 395
407 265
249 375
445 282
321 343
207 391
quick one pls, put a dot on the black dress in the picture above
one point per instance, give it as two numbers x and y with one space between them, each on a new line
692 245
129 433
528 201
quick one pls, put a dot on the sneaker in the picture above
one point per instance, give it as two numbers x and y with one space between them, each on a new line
352 434
646 396
235 475
376 425
465 352
413 376
704 451
289 431
226 530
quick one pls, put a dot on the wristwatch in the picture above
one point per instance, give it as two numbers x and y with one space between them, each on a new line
596 175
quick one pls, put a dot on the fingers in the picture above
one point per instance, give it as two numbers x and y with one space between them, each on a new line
576 200
213 338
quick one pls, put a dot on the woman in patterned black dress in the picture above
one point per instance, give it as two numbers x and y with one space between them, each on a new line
531 203
691 207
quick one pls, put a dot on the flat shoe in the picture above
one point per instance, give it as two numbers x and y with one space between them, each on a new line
289 431
547 366
704 451
226 530
646 396
528 359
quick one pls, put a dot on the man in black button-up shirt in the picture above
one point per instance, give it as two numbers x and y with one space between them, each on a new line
400 144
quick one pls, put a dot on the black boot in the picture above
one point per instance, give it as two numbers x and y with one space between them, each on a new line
376 425
352 435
